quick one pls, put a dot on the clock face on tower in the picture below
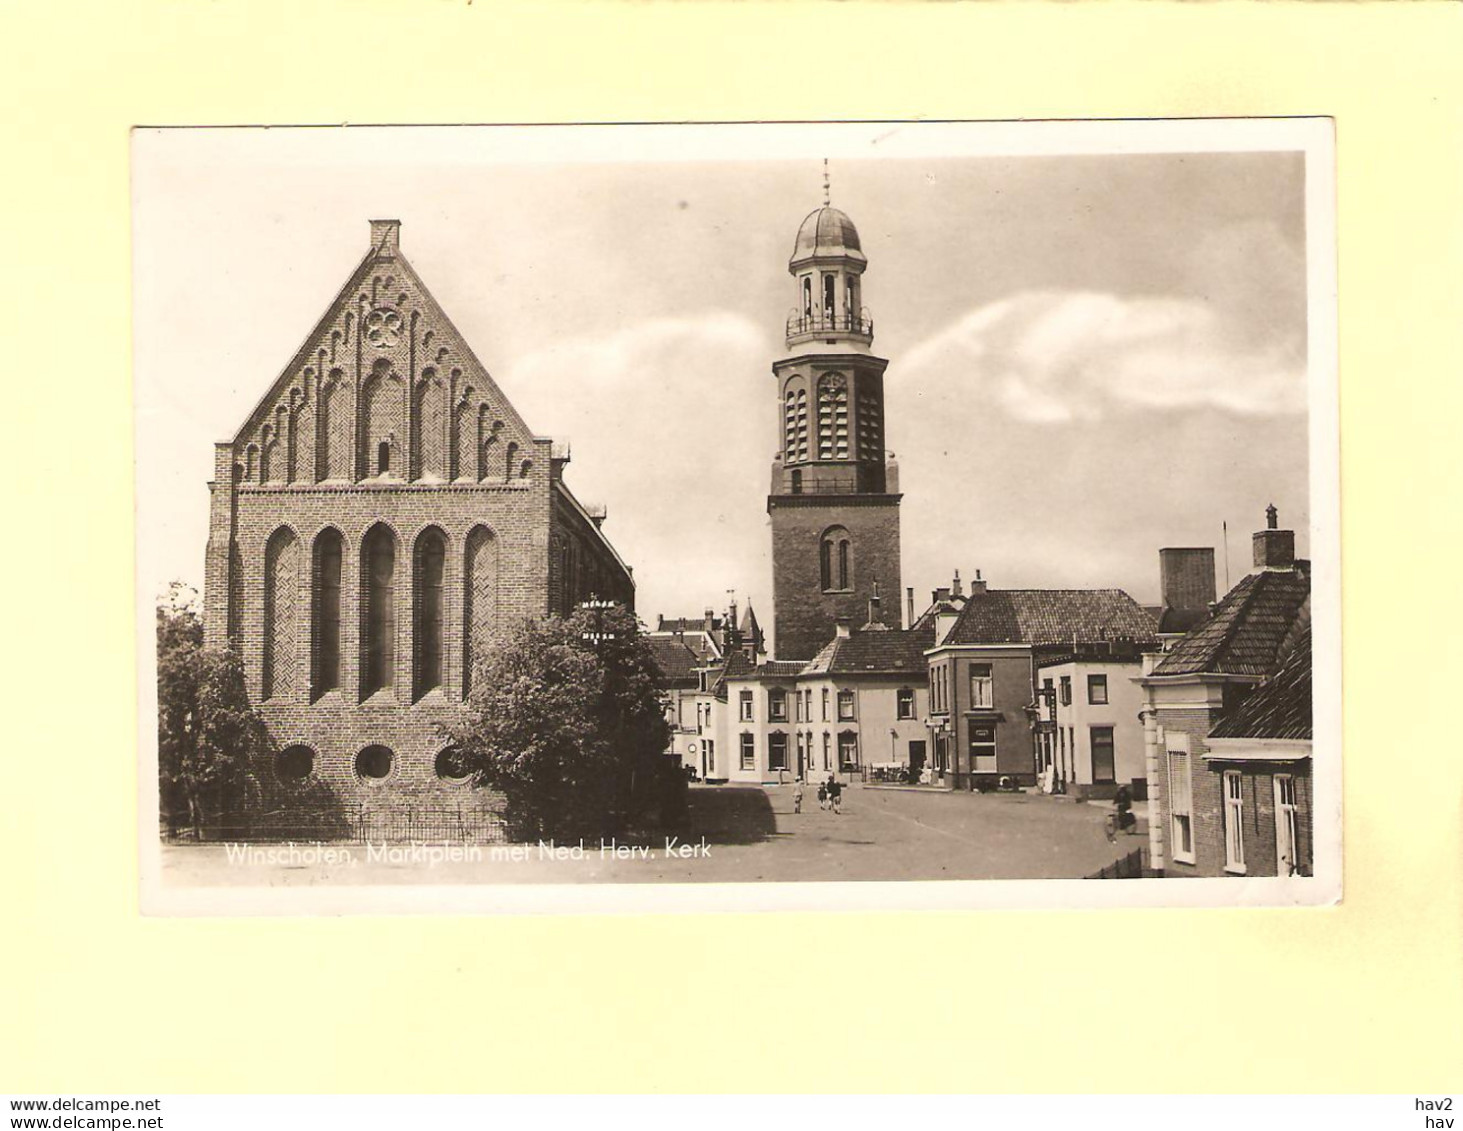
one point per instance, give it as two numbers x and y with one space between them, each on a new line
383 326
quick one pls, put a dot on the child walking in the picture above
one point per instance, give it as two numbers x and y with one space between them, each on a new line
822 795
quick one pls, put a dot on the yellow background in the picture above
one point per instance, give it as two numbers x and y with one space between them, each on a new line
1367 996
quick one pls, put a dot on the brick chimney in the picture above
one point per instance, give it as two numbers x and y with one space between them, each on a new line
842 628
978 585
386 238
1274 548
876 607
955 589
1186 577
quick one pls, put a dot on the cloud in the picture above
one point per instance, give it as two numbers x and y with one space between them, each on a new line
672 427
1050 356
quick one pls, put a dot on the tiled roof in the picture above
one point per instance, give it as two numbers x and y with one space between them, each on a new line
875 651
685 624
1050 616
1281 706
1245 634
780 669
677 662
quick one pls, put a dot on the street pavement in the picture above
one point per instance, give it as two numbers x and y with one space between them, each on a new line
745 834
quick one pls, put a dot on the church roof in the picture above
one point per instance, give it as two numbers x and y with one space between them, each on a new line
827 232
1248 629
1050 616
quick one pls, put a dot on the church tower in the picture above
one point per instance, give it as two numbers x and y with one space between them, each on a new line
834 498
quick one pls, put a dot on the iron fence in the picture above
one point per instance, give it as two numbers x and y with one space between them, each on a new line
1129 867
362 824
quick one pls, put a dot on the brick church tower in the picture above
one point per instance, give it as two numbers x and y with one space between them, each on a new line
834 498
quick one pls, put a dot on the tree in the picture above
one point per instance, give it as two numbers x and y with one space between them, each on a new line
207 731
566 721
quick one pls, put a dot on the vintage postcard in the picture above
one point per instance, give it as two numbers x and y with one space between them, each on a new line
671 517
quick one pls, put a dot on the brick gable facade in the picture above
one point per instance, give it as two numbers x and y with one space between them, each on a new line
375 519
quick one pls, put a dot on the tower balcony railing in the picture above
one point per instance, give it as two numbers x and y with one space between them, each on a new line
806 327
861 477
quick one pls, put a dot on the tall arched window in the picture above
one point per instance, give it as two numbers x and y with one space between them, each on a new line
428 571
378 610
835 559
325 594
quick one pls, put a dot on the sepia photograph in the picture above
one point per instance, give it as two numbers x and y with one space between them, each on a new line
744 516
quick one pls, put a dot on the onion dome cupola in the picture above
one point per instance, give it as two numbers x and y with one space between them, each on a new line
828 263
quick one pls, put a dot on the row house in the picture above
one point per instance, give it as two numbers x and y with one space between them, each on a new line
693 658
855 709
865 699
1089 740
1221 810
984 718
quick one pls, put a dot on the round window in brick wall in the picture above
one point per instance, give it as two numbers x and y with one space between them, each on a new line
294 764
453 766
374 763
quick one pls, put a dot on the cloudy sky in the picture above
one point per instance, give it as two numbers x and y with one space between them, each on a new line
1092 354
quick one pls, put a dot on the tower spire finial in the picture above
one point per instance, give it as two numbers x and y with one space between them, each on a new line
827 195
